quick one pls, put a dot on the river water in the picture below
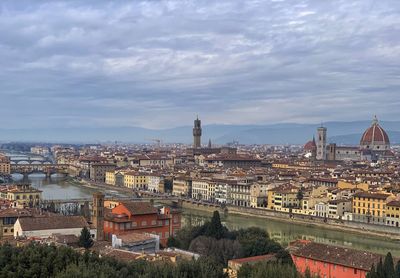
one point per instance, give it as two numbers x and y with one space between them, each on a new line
283 232
56 187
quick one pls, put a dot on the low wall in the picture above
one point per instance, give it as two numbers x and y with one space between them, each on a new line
335 224
201 206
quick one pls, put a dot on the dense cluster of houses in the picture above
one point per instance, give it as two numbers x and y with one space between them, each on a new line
276 178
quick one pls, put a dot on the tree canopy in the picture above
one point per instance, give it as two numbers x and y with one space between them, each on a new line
216 241
36 260
85 239
385 269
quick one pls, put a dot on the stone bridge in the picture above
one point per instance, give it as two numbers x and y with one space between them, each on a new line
47 169
26 161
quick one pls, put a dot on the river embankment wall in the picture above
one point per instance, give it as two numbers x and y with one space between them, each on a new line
299 219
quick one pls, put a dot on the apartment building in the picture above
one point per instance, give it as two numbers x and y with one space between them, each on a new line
370 207
136 180
182 186
98 171
393 213
203 190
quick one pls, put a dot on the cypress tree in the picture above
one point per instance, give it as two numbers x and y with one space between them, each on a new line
85 239
215 228
397 270
371 273
380 272
388 266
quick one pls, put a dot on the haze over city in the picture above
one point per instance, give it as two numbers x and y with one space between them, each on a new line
156 64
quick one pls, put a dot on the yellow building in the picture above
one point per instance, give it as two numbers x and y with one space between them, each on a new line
393 213
270 199
21 195
286 198
136 180
110 177
370 207
348 185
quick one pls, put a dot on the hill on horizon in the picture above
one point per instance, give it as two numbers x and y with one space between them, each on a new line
342 133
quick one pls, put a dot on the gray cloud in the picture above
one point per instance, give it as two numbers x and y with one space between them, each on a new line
159 63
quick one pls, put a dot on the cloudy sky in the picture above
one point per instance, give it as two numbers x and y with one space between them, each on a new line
79 63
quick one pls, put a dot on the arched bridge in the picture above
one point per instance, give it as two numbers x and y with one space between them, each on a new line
29 161
47 169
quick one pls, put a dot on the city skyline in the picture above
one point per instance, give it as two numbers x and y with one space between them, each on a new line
117 64
199 138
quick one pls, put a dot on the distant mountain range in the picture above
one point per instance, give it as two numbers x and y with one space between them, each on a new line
343 133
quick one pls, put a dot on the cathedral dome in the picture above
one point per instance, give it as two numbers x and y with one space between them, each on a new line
310 146
375 138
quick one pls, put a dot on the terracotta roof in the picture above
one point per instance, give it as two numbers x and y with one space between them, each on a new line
15 212
371 195
123 255
231 158
374 134
337 255
254 259
92 159
310 146
66 239
393 204
134 237
323 180
140 208
19 188
52 222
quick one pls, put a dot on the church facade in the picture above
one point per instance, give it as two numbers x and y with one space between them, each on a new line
374 145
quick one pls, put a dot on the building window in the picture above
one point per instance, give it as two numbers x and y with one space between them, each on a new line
144 223
154 222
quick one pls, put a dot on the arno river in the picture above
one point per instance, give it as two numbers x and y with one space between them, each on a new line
60 188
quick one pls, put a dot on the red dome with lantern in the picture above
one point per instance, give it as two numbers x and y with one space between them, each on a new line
375 138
